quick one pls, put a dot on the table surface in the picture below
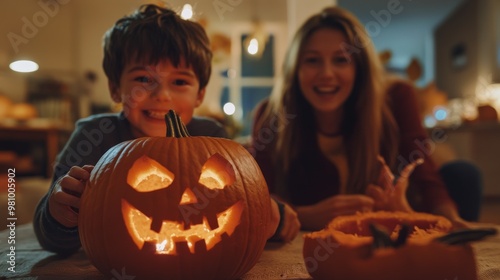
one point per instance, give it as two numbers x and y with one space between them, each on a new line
278 261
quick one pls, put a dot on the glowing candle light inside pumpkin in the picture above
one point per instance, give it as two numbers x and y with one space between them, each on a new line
148 175
161 246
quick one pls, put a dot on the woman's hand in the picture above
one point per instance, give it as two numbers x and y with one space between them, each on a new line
317 216
389 195
290 225
450 212
64 201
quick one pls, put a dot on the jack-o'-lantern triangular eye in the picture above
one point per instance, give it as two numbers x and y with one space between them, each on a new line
148 175
217 173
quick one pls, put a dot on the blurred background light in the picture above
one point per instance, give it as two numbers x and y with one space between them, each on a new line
253 46
440 113
229 108
187 12
23 66
430 121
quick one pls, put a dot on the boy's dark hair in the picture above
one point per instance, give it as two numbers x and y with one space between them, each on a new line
152 34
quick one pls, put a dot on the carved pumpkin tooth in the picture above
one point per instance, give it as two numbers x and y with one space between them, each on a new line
196 219
156 225
211 222
182 247
224 236
200 246
149 246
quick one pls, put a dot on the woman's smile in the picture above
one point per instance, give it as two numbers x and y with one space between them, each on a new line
326 89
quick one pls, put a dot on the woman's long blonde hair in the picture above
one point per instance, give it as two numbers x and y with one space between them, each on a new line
366 114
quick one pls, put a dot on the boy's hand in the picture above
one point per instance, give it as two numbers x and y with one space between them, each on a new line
64 201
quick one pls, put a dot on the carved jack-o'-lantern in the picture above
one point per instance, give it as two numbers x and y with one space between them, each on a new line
175 208
347 249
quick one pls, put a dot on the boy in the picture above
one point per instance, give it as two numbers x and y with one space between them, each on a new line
154 61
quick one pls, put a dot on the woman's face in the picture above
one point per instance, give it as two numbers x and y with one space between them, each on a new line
326 70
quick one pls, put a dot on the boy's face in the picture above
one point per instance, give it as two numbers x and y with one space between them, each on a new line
148 92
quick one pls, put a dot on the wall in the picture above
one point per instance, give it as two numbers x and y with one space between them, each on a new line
41 30
488 38
496 49
461 27
93 18
300 10
476 25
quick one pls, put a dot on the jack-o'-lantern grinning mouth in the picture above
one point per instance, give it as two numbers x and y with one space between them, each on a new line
171 232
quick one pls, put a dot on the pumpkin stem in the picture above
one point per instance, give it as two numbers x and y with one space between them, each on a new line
175 126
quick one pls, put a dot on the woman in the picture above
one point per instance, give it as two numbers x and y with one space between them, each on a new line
335 118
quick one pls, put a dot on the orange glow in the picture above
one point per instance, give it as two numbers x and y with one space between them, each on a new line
217 173
139 228
148 175
188 197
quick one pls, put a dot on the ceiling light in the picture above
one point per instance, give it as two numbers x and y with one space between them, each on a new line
23 66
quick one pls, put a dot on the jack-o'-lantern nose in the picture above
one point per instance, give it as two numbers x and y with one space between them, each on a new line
188 197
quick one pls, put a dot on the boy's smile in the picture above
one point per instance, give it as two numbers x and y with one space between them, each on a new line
158 115
148 92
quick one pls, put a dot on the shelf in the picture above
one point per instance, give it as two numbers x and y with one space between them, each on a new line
26 137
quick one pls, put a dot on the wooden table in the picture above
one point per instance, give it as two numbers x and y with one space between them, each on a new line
279 261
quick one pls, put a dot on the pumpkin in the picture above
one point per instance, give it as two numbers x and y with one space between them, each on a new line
175 207
345 249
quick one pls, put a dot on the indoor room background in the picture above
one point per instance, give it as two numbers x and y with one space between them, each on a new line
450 50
